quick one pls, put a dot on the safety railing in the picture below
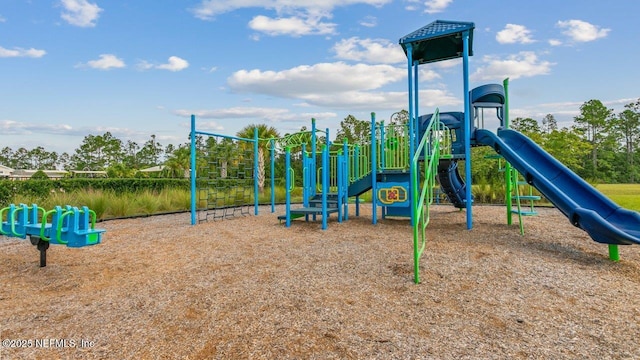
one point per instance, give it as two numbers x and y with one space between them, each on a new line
435 142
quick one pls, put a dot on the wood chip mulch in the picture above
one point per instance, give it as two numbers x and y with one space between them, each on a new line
250 288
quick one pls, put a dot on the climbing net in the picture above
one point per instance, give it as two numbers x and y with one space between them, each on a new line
225 178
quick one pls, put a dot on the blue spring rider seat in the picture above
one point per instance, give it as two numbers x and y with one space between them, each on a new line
69 226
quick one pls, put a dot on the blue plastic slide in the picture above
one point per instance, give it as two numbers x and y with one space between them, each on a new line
452 183
587 208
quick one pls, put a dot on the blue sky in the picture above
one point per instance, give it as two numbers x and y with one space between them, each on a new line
70 68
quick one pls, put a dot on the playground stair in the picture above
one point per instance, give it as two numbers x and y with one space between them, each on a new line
315 207
360 186
332 201
530 198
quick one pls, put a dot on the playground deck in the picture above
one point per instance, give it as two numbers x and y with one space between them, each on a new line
158 288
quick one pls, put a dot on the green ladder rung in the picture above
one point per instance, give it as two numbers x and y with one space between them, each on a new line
525 213
527 197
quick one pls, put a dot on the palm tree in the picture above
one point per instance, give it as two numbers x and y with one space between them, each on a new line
224 151
179 163
264 134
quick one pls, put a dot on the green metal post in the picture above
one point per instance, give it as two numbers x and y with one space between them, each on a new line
614 255
507 167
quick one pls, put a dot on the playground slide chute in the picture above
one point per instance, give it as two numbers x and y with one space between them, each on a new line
587 208
451 182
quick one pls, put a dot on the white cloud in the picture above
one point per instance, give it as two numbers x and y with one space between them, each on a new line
105 62
80 12
377 51
513 33
369 21
582 31
253 113
208 9
294 26
428 74
20 52
323 78
523 64
175 64
436 6
2 19
295 18
234 113
555 42
337 86
394 100
143 65
12 127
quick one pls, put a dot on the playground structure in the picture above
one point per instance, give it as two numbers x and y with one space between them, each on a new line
400 162
70 226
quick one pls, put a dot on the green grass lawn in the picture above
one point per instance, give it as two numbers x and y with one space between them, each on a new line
625 195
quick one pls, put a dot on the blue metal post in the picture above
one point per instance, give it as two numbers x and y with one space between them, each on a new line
256 191
374 169
411 90
194 189
412 121
306 192
326 134
313 168
382 147
415 136
416 104
273 175
467 128
287 185
345 150
325 184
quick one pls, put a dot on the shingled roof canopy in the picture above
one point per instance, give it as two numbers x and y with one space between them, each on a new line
440 40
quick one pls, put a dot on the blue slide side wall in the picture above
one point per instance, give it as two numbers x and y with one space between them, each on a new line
586 207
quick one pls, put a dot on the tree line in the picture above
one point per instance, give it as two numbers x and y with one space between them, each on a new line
600 146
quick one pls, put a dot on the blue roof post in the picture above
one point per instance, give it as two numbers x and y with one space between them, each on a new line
313 157
306 193
467 128
383 164
325 184
416 105
194 189
256 190
374 170
411 117
415 136
345 178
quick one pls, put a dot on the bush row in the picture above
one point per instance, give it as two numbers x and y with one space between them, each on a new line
42 188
